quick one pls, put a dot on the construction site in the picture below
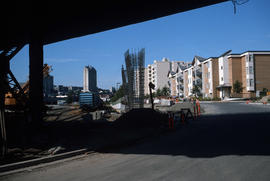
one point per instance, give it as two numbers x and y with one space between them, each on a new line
141 137
133 79
65 128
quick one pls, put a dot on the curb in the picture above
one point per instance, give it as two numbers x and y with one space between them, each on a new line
259 103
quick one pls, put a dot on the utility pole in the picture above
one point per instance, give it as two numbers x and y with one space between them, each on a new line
151 86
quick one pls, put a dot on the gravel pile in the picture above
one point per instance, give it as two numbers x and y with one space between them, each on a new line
139 118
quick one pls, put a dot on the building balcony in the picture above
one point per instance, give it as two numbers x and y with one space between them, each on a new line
198 81
199 73
180 79
180 87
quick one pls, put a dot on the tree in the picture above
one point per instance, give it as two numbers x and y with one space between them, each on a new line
165 91
69 98
118 94
158 93
196 90
237 87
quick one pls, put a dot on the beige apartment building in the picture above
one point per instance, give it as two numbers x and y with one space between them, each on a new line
176 78
251 68
193 76
188 81
210 77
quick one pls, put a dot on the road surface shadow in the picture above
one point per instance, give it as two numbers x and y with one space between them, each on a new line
77 131
140 132
211 136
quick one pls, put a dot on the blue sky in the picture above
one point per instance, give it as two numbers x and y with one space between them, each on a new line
206 32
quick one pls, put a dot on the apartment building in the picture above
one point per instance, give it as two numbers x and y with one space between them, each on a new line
224 85
146 81
210 77
252 69
193 75
157 73
176 83
197 69
166 73
172 83
188 81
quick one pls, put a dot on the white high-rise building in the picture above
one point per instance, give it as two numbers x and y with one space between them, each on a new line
159 74
89 79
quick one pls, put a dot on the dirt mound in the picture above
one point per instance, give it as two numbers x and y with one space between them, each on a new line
143 117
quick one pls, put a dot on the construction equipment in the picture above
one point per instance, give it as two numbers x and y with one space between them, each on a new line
17 96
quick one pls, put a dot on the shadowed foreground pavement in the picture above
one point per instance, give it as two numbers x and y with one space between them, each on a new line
215 147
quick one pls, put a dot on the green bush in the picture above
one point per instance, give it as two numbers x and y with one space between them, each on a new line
254 99
216 99
208 99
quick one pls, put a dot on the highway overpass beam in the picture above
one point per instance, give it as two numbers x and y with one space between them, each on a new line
36 80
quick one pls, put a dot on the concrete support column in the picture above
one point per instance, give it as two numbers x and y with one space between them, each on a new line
4 67
36 80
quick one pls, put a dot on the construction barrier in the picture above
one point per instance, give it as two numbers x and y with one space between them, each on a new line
184 115
198 107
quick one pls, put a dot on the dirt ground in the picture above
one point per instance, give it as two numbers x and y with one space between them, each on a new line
68 128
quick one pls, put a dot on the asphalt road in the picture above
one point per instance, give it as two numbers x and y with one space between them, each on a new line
231 141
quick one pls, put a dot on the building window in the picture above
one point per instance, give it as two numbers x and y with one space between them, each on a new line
221 67
221 78
250 70
251 83
250 58
247 58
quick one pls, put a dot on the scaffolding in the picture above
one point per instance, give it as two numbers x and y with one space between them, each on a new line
133 79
